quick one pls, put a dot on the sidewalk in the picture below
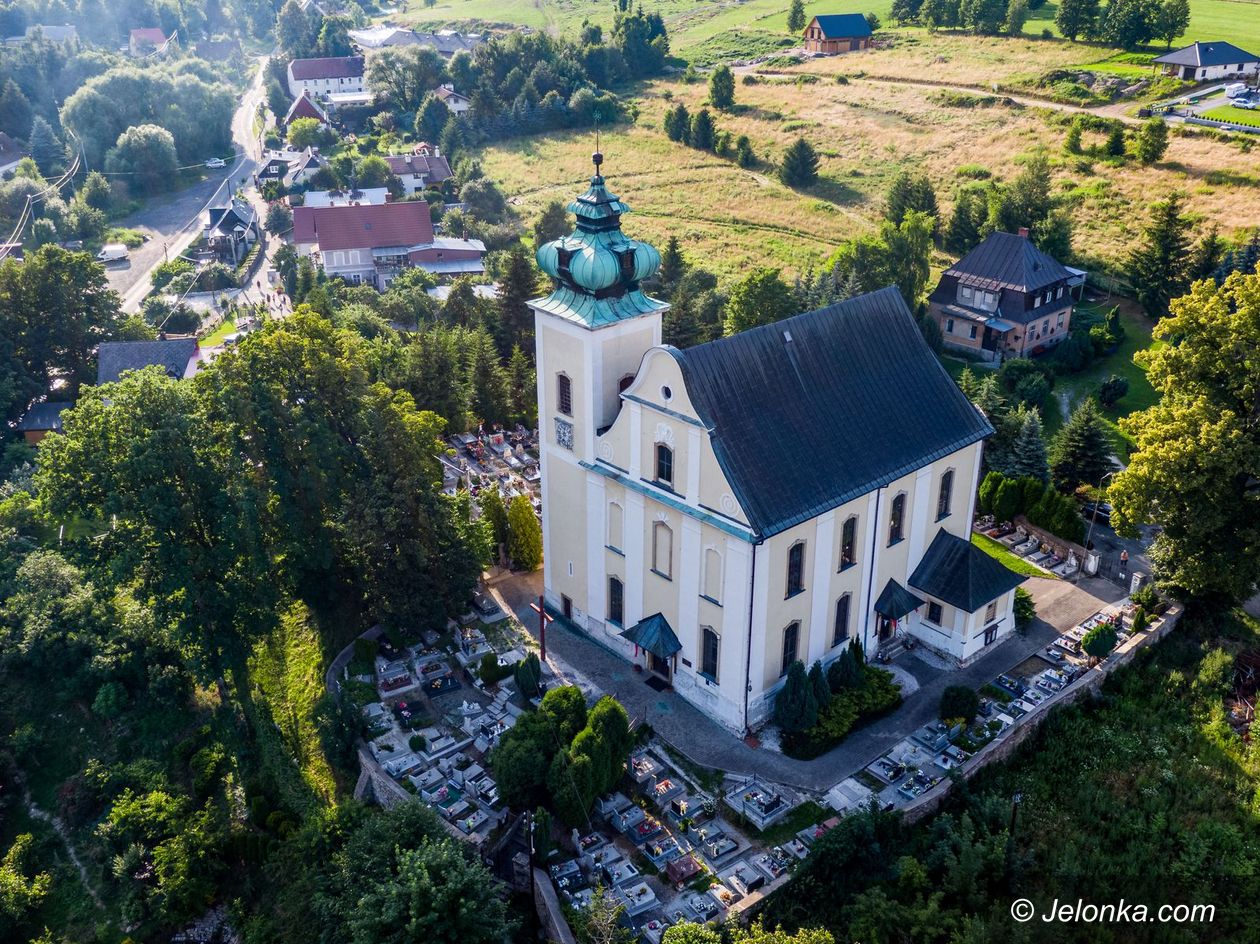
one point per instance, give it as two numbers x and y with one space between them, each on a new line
708 744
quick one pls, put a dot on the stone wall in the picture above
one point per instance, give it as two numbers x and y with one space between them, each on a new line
549 913
1087 686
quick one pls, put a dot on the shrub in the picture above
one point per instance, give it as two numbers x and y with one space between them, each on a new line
875 696
1113 390
1025 608
528 676
489 670
1141 620
1100 640
416 742
988 491
960 701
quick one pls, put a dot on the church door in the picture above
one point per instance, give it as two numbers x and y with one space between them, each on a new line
658 665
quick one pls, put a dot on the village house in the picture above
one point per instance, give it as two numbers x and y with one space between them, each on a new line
145 42
11 155
423 167
373 196
179 357
372 244
836 33
288 168
305 106
720 512
446 94
53 34
322 77
231 230
1005 298
445 42
1205 62
40 420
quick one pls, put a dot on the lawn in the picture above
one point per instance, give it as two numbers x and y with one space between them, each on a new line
1234 115
1012 561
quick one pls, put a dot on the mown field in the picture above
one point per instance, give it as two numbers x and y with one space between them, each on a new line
865 132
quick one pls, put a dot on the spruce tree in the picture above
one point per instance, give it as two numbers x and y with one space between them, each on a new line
682 327
453 140
47 151
818 682
522 386
1028 451
678 124
524 543
703 131
800 164
1207 255
744 155
518 285
722 88
431 119
1115 141
673 266
796 16
484 378
1082 450
1160 265
1152 140
795 708
552 223
495 512
963 233
910 192
15 110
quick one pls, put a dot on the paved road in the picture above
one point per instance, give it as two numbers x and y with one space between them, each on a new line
173 222
706 743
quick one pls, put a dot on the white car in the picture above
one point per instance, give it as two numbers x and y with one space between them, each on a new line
112 252
216 162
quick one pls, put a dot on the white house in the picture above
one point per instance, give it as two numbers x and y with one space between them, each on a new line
458 104
322 77
1206 62
726 510
423 167
373 196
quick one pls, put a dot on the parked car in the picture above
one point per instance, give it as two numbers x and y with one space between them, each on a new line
112 252
216 162
1097 511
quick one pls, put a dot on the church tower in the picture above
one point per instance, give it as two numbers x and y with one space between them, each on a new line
591 333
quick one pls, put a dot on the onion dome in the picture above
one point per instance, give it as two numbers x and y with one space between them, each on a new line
596 270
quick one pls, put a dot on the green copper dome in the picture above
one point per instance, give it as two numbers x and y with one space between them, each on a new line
596 269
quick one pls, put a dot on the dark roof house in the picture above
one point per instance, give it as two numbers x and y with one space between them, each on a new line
1206 55
837 25
43 418
338 67
177 356
854 387
962 575
11 152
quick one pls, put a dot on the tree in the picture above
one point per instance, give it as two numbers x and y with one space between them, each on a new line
405 75
982 16
602 921
1114 146
96 192
495 512
528 676
564 709
800 165
795 708
960 701
909 192
1152 140
1016 16
906 11
1190 470
296 31
305 132
518 285
963 232
522 388
1025 608
909 248
146 154
1113 390
1099 641
678 124
1171 19
522 759
796 17
673 265
334 37
1159 265
1028 451
19 894
431 118
1207 257
1076 17
818 682
872 21
1082 450
701 135
279 218
1128 23
15 110
552 223
744 154
1072 142
44 146
722 88
761 297
524 544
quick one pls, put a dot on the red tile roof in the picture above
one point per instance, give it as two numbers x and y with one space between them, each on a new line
341 67
363 226
305 107
151 35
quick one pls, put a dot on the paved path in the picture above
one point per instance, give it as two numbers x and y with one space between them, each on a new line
706 743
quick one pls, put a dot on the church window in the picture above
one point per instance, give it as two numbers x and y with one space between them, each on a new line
945 496
791 637
841 632
709 653
897 520
663 550
664 465
712 575
564 394
796 569
848 543
616 601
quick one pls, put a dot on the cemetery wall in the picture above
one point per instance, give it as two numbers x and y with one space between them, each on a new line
548 906
1004 747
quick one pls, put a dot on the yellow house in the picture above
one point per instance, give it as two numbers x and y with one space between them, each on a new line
720 512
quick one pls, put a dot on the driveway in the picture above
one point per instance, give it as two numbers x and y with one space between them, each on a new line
173 221
1060 605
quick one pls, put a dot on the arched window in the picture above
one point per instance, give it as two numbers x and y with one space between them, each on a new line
616 601
664 465
796 568
709 642
945 495
712 575
848 543
663 549
897 520
615 518
791 636
841 633
564 394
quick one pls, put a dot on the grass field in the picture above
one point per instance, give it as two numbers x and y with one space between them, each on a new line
1012 561
1232 113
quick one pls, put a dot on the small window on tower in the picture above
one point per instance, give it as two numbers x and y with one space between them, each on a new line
627 264
564 394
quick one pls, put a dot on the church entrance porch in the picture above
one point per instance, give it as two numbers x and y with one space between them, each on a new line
658 665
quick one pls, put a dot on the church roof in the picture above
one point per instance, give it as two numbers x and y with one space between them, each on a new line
597 271
895 601
816 410
961 574
655 635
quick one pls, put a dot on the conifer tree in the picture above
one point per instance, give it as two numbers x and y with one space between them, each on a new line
1028 451
552 223
682 327
800 164
963 232
44 147
485 379
522 388
1207 257
1152 140
431 119
673 266
1082 450
744 155
525 545
795 708
1159 266
495 512
678 124
910 192
722 88
818 682
796 16
15 110
1115 141
518 285
703 131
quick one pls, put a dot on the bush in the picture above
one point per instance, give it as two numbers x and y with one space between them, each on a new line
1113 390
1025 608
528 676
489 670
1141 620
848 709
416 742
1100 640
960 701
795 708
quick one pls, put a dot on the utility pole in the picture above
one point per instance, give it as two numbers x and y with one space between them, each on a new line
543 620
1016 800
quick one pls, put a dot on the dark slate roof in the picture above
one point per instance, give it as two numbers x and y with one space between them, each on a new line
961 574
1208 54
655 635
816 410
1004 260
43 417
839 25
895 601
113 358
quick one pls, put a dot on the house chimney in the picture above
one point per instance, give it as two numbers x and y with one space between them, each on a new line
1023 231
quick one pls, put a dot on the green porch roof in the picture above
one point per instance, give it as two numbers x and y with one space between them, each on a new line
895 601
655 635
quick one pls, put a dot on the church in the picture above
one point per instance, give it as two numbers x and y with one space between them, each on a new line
717 513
